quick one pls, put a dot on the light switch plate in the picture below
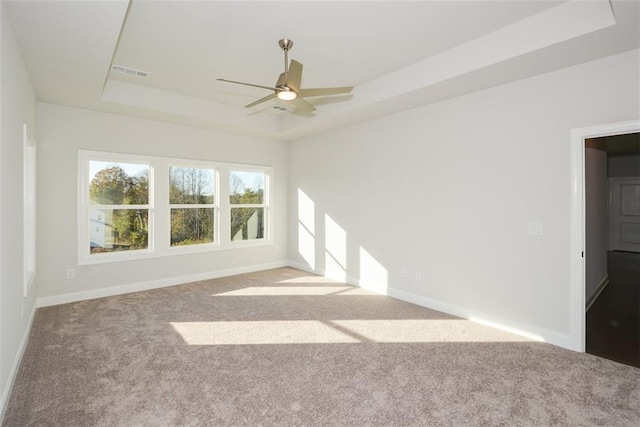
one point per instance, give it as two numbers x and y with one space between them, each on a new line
534 228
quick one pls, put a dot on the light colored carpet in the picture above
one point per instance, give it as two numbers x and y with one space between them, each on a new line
280 348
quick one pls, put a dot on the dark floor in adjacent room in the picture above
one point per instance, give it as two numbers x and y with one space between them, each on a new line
613 321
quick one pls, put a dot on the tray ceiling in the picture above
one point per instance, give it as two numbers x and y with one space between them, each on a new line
398 55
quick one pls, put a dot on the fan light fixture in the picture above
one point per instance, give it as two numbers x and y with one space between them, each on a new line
286 94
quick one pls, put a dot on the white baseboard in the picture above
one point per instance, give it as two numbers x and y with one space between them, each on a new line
6 393
603 284
153 284
304 267
529 331
525 330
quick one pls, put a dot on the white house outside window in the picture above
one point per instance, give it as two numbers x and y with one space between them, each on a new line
118 206
247 201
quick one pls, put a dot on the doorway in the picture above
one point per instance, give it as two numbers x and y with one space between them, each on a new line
612 246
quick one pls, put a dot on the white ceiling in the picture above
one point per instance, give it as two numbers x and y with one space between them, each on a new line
397 54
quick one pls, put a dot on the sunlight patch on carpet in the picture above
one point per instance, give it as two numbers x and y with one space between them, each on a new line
340 331
260 332
285 291
426 330
309 279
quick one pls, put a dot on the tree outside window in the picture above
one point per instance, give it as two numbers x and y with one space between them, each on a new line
191 202
118 207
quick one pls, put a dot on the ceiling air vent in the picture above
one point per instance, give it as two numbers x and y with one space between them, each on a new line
129 71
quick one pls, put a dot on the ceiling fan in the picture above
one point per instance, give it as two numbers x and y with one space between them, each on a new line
287 87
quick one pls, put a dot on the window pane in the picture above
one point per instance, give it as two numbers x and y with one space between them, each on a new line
113 230
118 183
247 223
191 226
190 186
246 188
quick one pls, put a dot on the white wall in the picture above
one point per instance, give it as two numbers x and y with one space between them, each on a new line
18 108
596 208
447 190
62 131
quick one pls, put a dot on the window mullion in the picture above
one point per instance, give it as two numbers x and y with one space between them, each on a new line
162 217
119 206
224 229
192 206
248 206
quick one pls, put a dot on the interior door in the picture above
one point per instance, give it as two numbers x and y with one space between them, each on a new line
625 214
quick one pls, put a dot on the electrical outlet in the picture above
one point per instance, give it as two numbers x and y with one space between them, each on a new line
418 275
404 272
71 273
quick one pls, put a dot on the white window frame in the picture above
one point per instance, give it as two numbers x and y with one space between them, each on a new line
84 206
265 203
160 209
29 172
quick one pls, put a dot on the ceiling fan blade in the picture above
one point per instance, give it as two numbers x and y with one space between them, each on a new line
247 84
294 77
301 104
261 100
325 91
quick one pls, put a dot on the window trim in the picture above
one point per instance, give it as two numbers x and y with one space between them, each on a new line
264 205
29 176
160 208
85 256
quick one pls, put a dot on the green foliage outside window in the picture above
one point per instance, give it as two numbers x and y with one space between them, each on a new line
121 229
112 186
191 186
191 226
247 223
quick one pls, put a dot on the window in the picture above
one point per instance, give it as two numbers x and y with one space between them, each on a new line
29 210
191 200
248 209
133 207
118 206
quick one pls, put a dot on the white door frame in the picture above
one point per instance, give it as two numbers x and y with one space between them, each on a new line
577 296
